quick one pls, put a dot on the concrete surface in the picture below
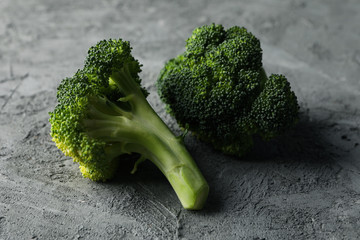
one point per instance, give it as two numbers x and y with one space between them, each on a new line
303 186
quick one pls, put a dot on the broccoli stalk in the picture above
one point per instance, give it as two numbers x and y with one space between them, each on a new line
145 133
103 114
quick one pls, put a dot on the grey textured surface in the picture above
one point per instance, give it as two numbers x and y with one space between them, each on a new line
303 186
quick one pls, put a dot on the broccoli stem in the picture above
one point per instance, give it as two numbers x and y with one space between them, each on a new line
142 131
169 154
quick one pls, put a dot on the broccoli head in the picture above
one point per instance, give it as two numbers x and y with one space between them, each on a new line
102 115
218 89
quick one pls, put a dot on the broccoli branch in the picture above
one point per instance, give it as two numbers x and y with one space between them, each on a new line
140 130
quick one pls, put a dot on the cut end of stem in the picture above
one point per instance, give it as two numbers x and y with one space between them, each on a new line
190 187
199 199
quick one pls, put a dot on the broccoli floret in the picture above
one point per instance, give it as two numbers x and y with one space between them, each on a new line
218 89
102 115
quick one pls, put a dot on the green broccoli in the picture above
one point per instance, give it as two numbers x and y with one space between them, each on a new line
102 115
218 89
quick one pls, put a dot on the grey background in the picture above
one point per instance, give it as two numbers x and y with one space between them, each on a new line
305 185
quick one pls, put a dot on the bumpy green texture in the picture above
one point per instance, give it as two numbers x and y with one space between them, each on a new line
219 90
102 115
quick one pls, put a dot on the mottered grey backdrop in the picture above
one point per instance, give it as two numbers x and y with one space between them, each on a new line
305 185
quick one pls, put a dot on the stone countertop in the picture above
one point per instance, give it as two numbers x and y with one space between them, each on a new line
305 185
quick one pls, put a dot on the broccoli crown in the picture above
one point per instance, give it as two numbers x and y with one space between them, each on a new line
92 103
102 114
108 57
219 90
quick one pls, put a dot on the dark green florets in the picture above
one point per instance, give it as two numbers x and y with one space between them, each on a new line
219 90
275 109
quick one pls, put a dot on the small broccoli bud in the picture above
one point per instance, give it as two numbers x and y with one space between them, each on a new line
204 39
276 109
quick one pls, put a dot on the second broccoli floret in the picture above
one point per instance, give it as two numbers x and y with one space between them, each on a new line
219 90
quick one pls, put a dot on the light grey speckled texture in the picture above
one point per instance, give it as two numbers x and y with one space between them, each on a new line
305 185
